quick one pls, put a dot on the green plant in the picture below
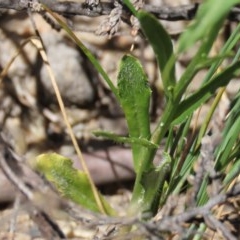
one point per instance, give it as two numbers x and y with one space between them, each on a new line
133 94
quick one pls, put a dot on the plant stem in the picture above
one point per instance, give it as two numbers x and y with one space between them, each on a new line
138 198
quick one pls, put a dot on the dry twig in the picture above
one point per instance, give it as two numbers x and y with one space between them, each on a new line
30 185
184 12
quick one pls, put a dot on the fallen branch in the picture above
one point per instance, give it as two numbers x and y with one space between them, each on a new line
184 12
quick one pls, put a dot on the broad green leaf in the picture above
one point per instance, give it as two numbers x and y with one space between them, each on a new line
70 182
162 47
120 139
205 92
134 93
209 15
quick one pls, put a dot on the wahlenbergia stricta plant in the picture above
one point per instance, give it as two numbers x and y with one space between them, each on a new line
154 184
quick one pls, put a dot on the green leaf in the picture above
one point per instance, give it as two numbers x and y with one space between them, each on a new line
134 94
120 139
209 15
233 173
162 47
153 183
84 49
201 55
233 114
70 182
226 146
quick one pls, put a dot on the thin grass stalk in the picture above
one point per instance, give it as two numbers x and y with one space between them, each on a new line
38 43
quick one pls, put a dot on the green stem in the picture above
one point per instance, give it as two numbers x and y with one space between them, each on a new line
138 198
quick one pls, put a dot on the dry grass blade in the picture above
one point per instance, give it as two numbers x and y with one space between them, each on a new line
5 70
37 42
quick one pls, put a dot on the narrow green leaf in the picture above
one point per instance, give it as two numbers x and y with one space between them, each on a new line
233 173
120 139
205 92
228 46
226 146
209 15
134 94
162 47
84 49
201 55
234 113
202 196
129 4
70 182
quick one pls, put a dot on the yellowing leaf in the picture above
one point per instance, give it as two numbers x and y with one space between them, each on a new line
70 182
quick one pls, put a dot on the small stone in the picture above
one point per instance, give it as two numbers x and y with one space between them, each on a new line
67 66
